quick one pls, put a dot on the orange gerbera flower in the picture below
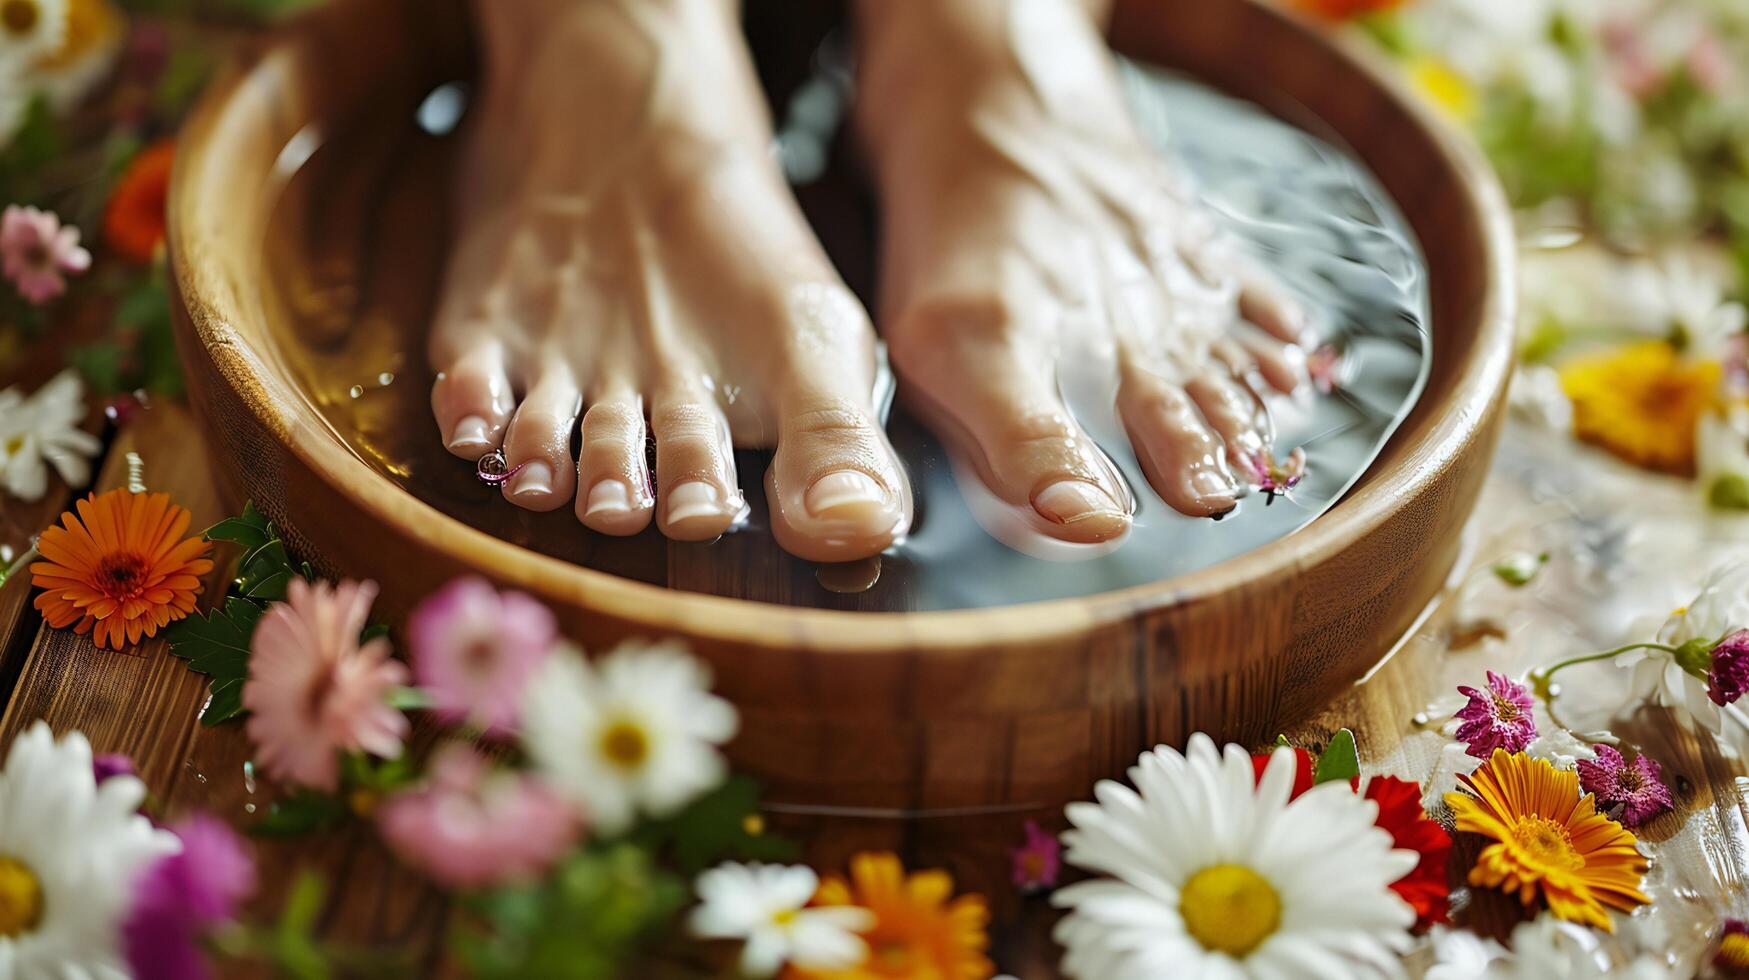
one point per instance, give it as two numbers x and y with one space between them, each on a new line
918 931
121 569
133 224
1548 839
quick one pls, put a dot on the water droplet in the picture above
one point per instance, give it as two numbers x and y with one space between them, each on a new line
1420 719
355 390
249 777
385 379
848 578
199 777
248 808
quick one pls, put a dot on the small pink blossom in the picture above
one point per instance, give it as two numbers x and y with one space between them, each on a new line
1635 787
474 648
1728 677
1498 717
470 826
314 690
180 900
1709 64
36 253
1037 860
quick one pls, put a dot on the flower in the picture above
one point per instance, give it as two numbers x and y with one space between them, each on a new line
314 690
1499 717
1037 861
44 428
1347 9
1214 872
1634 787
1459 954
1441 83
1548 839
111 764
766 906
474 649
30 29
133 222
179 901
1721 447
471 826
1546 948
919 930
1692 678
637 730
1727 673
1642 402
35 251
1732 956
1425 887
89 47
69 850
121 570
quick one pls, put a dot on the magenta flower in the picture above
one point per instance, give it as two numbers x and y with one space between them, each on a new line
1635 787
314 690
474 649
1037 860
36 252
1728 676
1496 718
182 898
470 826
112 764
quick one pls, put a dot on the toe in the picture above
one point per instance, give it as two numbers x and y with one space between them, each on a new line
695 467
613 476
1265 302
537 447
836 490
1180 454
1235 416
472 401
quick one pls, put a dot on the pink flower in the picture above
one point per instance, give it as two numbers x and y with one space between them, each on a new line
1037 860
1499 717
1728 676
470 826
313 690
179 900
1635 787
474 649
35 251
1709 64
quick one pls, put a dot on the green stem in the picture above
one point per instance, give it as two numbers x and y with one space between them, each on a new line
17 564
1540 678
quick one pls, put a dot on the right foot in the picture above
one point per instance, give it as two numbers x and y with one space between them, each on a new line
628 246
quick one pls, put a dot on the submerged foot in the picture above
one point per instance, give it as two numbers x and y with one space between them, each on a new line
1031 235
628 255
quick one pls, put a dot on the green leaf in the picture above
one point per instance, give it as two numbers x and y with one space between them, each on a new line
1729 491
301 813
1517 570
722 825
217 644
1339 760
1281 742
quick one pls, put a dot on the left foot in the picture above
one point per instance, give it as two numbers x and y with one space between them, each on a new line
1018 198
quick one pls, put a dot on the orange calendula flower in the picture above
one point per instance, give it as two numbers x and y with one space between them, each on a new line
133 224
1548 839
121 569
920 929
1642 403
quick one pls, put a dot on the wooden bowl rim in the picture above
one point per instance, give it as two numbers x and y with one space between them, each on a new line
1480 378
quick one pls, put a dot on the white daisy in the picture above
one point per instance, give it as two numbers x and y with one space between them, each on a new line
1721 453
637 730
1215 874
1546 948
44 428
1721 607
30 29
69 851
1459 954
766 907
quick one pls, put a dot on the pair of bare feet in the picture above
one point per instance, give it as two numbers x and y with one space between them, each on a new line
630 256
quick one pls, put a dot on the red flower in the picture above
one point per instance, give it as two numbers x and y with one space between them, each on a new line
1426 887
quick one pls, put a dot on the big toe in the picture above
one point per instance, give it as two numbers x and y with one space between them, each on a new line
836 489
472 401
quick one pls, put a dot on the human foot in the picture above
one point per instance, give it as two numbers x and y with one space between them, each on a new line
1029 235
627 245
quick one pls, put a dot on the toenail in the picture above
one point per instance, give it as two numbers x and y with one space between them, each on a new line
1074 500
844 490
533 477
469 433
695 499
609 497
1210 483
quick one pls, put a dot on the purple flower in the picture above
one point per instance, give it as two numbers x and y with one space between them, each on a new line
1728 677
474 649
1635 787
1037 860
179 900
1498 717
112 764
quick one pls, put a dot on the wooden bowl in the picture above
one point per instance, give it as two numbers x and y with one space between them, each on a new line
914 711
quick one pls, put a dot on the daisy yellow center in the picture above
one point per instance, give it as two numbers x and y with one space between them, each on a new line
21 898
1734 951
784 917
1230 908
15 444
121 574
625 744
1543 842
19 16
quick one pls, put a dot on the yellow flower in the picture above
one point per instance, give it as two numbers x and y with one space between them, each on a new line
1642 402
1442 84
919 933
1548 839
